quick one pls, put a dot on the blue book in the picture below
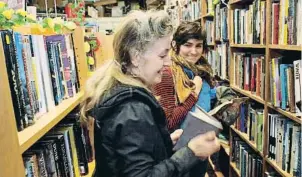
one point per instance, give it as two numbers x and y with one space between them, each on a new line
283 81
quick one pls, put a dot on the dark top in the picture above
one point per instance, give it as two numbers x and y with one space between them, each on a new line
132 140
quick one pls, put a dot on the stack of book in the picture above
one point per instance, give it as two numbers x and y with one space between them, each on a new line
42 72
284 138
63 151
248 163
249 24
286 22
286 84
219 59
249 72
250 122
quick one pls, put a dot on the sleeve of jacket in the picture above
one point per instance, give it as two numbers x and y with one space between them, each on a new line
136 137
167 99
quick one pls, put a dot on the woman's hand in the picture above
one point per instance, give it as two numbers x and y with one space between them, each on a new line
204 145
198 84
176 135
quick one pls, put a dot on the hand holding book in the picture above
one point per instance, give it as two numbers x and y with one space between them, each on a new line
204 145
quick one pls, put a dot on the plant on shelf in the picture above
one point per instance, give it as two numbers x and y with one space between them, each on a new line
11 19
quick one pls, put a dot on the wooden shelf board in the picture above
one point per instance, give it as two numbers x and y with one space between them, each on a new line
232 164
248 94
208 16
285 47
277 168
217 173
32 134
91 167
285 113
104 2
239 2
252 46
152 2
226 148
246 139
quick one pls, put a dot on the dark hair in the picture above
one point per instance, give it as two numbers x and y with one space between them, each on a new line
187 31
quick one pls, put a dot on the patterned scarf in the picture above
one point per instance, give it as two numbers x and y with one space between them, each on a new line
183 85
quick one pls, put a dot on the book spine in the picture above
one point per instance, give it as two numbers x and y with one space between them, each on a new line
12 72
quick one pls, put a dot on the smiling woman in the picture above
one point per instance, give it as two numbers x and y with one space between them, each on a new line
187 82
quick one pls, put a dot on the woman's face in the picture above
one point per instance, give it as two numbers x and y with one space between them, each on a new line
153 60
191 50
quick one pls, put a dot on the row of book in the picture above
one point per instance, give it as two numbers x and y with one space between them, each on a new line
63 152
209 27
219 59
249 72
286 22
286 84
221 23
42 72
285 143
249 24
249 163
250 122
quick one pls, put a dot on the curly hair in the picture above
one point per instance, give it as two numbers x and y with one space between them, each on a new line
185 32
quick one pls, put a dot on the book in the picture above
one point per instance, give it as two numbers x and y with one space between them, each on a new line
196 123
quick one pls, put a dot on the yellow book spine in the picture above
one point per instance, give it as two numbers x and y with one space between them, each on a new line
285 21
74 153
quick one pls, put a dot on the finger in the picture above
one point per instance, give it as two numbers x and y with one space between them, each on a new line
210 136
176 134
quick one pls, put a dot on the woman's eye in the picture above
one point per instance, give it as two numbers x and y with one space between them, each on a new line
164 56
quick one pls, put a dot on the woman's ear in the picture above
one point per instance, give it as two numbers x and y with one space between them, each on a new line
134 56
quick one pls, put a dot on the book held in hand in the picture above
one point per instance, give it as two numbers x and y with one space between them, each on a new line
196 123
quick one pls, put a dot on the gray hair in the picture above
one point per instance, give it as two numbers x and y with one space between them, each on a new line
137 31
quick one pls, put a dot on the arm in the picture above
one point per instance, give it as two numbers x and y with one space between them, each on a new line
175 113
138 138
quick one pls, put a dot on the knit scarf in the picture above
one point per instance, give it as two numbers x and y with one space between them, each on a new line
183 85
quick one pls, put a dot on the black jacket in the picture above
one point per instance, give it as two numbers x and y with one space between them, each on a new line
131 138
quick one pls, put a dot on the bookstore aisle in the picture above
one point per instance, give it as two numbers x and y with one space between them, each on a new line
253 46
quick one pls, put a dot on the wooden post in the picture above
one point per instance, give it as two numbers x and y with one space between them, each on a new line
78 40
11 163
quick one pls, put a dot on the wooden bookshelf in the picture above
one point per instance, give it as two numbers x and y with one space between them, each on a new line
14 143
212 166
277 168
248 94
269 52
286 47
208 16
226 148
244 136
239 2
91 167
285 113
233 166
32 134
252 46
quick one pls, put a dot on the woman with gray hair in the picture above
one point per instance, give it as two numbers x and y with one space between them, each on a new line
131 138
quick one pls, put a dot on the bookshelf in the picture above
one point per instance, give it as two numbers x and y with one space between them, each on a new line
285 47
233 166
277 168
252 46
14 143
268 51
32 134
